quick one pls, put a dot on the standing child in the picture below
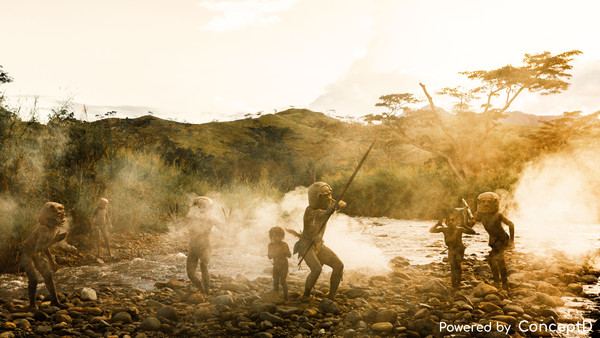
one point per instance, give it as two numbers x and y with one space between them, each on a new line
101 223
453 231
279 251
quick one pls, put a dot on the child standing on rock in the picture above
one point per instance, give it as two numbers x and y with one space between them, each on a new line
453 231
279 251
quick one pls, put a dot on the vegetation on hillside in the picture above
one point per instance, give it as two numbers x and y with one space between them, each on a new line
148 167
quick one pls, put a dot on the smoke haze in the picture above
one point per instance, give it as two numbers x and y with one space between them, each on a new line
556 202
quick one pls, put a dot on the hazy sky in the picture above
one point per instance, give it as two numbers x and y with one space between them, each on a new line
204 60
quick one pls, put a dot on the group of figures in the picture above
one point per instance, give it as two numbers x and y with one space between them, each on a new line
462 221
35 254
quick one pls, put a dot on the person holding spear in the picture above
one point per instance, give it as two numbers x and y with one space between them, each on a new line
310 247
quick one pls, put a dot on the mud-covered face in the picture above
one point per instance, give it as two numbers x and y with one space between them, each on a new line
276 237
52 214
203 203
488 202
319 195
453 221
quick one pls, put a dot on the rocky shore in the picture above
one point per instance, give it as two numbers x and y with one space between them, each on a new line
408 301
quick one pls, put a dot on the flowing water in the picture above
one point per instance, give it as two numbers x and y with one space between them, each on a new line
362 243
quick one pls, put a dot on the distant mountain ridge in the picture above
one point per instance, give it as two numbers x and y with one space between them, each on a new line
524 119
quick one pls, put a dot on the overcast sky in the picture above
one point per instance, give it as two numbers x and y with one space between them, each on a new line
199 61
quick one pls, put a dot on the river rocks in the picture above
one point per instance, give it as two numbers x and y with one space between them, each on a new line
483 289
356 293
169 313
410 301
286 311
122 317
549 300
434 286
174 284
43 330
94 311
548 289
328 306
349 333
424 326
150 324
22 323
88 294
60 317
195 298
263 335
575 288
353 317
9 326
387 315
512 321
588 279
489 307
202 314
399 262
511 308
271 318
309 312
223 300
235 287
383 327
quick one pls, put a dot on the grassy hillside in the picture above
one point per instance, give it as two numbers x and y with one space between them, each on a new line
148 166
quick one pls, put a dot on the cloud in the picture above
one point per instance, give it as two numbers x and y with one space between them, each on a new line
236 15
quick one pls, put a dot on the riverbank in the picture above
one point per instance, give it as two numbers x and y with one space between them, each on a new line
410 300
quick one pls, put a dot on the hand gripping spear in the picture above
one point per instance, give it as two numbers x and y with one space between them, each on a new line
337 202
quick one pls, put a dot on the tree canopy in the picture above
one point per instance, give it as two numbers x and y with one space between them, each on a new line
452 139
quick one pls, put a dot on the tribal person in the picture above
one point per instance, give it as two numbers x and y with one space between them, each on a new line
453 231
320 207
279 252
201 223
101 224
488 214
35 254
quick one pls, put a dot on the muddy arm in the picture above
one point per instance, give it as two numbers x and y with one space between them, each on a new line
51 259
468 230
287 250
511 227
437 227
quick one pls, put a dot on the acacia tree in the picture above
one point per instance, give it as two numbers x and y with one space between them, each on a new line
557 134
464 95
542 73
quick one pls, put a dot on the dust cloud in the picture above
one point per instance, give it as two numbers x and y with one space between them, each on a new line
556 205
245 222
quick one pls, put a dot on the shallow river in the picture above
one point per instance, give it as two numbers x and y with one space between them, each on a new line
362 243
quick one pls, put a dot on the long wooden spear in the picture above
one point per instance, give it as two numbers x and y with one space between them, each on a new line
337 202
